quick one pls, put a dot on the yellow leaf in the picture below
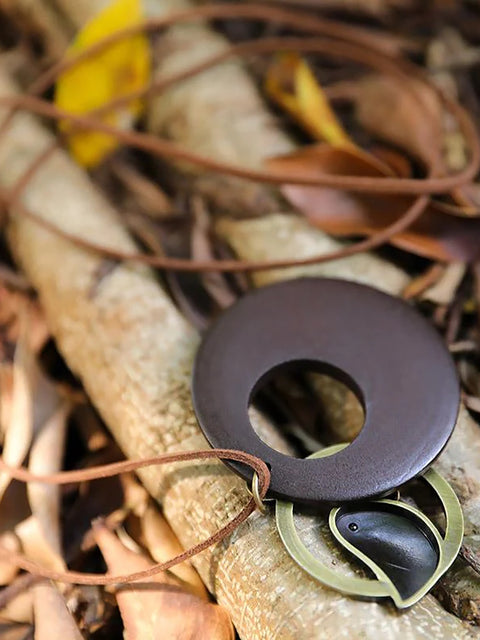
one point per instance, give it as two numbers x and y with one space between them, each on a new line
291 83
120 69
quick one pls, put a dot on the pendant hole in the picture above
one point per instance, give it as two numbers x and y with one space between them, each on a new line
300 407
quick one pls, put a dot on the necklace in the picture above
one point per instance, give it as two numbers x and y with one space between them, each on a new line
403 375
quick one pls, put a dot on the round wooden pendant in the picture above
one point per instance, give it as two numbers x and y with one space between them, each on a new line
378 345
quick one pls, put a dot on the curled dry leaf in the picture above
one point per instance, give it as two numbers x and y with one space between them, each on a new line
15 631
92 609
89 428
20 608
19 429
35 546
8 571
46 457
119 70
14 307
291 83
53 620
418 285
436 234
214 282
442 292
148 195
156 535
162 544
408 115
161 609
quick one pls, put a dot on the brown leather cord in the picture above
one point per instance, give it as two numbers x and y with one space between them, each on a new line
116 468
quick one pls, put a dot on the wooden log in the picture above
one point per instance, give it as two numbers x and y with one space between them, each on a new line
123 337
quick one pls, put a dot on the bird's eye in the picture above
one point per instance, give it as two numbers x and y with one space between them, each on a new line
353 526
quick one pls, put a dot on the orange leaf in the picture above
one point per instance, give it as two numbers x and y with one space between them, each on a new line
436 234
164 610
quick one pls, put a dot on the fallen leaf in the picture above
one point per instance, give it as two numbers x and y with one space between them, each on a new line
215 282
442 292
93 610
46 457
161 609
147 194
156 535
419 284
35 546
14 507
90 428
102 497
20 608
472 402
8 571
291 83
436 234
405 113
19 429
15 631
14 307
163 544
119 70
53 620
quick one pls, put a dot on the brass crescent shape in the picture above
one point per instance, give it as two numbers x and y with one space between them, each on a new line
448 545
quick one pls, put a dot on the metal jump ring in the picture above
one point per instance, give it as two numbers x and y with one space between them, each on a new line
255 493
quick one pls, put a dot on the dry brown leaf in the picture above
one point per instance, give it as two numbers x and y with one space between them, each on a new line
19 429
20 608
443 291
6 396
35 545
89 428
93 608
53 620
46 457
136 496
8 571
156 535
14 306
408 115
15 631
291 83
163 544
436 234
148 195
214 282
14 507
419 284
161 609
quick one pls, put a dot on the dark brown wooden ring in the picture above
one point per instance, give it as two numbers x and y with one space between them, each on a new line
386 352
